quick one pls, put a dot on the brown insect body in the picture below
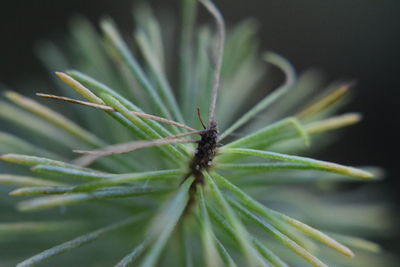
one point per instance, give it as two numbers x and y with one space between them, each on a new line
205 153
202 160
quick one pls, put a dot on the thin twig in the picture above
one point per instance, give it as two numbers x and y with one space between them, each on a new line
92 155
108 108
219 54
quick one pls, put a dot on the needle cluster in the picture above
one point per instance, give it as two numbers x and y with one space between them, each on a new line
110 170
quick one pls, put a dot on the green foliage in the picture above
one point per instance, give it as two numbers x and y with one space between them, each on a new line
254 207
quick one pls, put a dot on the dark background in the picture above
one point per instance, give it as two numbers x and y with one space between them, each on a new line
344 38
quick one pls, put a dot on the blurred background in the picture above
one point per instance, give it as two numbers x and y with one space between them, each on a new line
356 39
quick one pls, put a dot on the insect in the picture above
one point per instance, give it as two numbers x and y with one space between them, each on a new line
207 145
